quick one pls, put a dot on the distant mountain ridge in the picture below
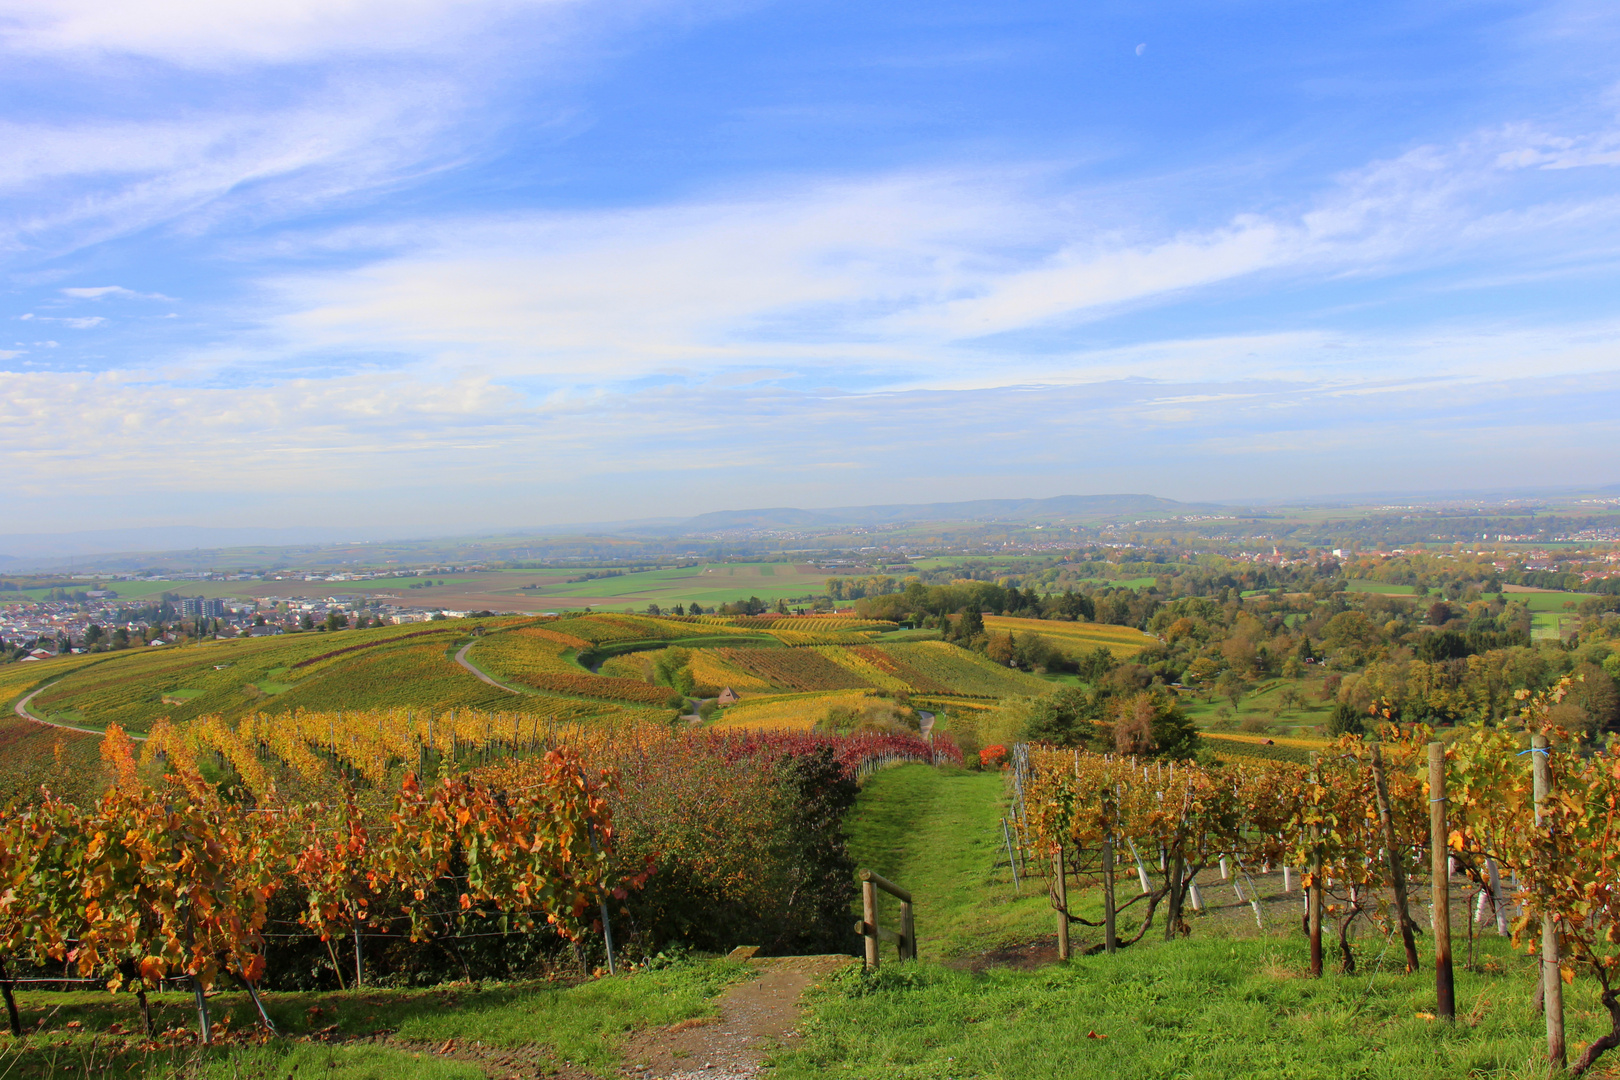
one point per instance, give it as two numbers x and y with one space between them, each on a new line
1076 508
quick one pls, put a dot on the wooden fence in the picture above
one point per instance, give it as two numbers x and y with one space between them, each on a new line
868 928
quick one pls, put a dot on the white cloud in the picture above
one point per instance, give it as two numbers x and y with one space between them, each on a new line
239 166
99 292
903 279
215 33
78 322
329 445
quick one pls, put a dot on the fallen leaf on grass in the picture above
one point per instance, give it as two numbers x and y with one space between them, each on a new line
1425 1015
449 1045
1094 1035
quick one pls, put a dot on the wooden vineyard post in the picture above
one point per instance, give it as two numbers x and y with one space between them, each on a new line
869 917
1110 936
1397 869
1552 984
1060 900
1440 884
1313 899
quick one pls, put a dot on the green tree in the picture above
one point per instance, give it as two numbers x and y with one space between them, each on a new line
1345 721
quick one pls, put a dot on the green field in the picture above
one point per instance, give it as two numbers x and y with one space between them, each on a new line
708 584
1262 704
1378 587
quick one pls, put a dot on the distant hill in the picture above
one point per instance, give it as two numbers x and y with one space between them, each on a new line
1072 508
57 548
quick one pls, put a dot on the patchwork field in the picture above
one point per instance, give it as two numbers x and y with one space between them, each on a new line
536 591
709 584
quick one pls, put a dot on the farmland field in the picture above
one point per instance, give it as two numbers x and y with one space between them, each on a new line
1077 637
709 584
535 591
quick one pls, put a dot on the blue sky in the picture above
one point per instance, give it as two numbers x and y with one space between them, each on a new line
530 261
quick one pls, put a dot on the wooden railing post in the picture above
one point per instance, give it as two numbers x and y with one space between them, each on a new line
869 929
908 932
906 940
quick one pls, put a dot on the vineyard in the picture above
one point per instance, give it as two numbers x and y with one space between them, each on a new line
531 828
711 672
803 669
1362 820
541 658
358 669
962 673
788 712
605 629
1074 638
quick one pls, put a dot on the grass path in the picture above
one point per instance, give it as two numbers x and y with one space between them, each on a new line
937 833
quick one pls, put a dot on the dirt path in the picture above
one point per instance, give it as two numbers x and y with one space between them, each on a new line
757 1018
22 711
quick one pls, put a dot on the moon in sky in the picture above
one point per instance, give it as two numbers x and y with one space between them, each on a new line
1142 48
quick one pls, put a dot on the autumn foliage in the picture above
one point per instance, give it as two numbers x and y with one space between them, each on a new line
175 878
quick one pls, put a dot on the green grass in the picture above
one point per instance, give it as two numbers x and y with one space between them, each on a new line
907 635
584 1024
1379 587
1205 1007
937 833
1547 601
